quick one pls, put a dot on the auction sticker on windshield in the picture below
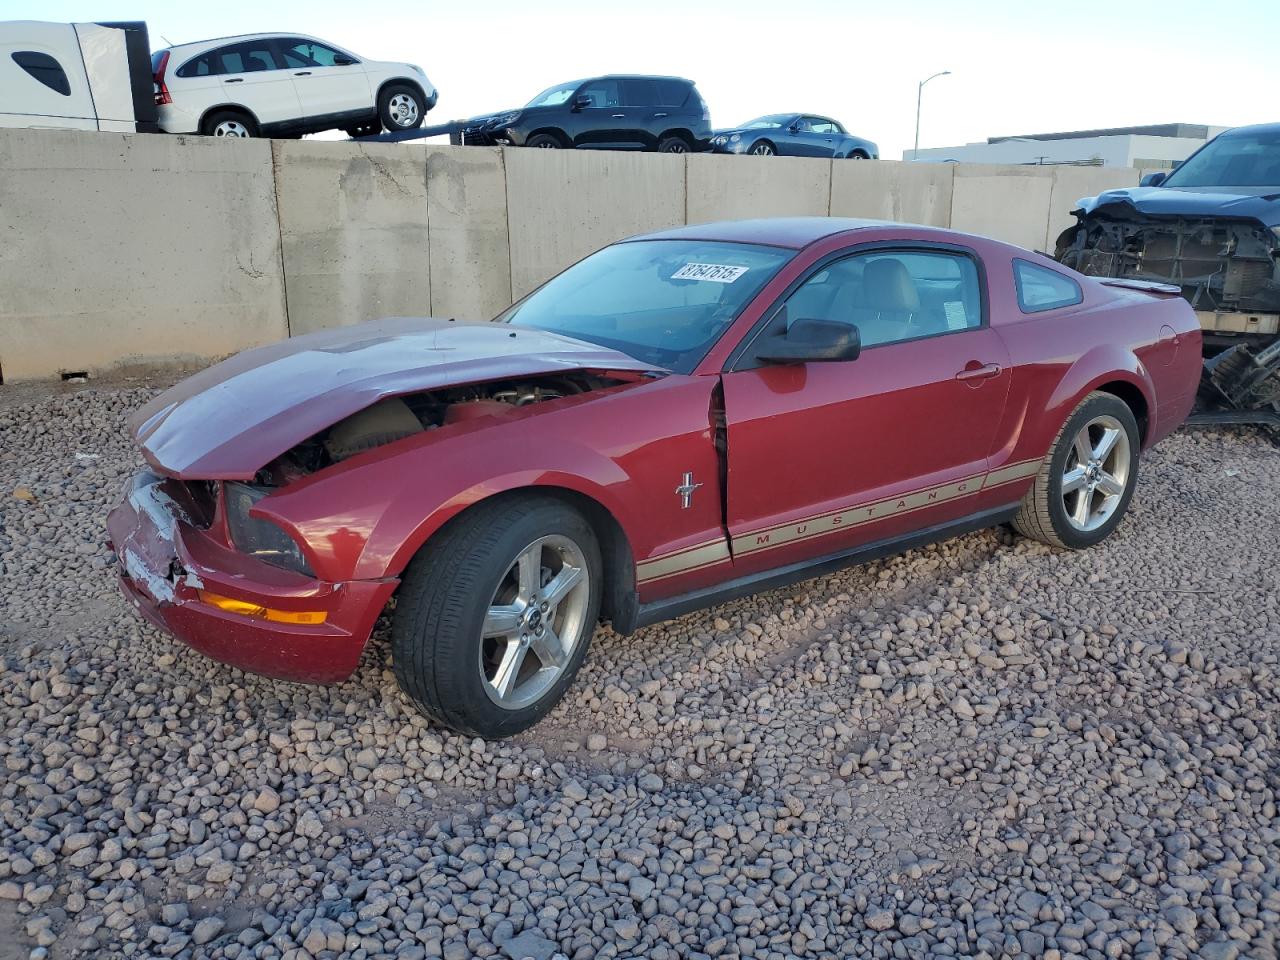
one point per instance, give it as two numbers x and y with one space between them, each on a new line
714 272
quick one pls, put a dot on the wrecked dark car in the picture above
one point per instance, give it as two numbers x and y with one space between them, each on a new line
1212 228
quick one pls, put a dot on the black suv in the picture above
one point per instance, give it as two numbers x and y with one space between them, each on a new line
666 114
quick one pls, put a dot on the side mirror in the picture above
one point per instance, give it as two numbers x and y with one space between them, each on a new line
812 341
1153 179
793 129
342 61
581 103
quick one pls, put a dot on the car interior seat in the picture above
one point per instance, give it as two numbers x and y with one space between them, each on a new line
890 302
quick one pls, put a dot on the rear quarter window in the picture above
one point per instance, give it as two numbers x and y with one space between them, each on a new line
1040 288
672 93
43 68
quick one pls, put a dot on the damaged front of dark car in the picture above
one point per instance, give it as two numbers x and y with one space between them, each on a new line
1212 228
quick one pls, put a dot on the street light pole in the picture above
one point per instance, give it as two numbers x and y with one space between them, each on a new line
915 152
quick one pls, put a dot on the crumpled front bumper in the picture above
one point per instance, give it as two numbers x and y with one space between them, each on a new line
164 561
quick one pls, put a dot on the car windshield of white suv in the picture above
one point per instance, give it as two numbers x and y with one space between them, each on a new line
553 96
664 302
1233 160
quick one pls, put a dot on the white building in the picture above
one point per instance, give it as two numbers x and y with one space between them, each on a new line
1153 147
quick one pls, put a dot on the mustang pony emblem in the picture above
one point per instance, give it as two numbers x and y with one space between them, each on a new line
685 490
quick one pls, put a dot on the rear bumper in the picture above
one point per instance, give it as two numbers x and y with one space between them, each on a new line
164 561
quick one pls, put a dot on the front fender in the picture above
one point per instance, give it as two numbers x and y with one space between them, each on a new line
366 518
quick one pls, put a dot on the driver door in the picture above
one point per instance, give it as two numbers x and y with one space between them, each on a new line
824 457
325 81
606 123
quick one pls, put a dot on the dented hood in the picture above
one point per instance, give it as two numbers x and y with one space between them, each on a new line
228 421
1172 202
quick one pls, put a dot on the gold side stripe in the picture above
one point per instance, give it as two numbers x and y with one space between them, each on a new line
1015 471
682 562
712 552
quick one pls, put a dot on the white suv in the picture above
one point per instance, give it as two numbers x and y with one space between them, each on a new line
283 85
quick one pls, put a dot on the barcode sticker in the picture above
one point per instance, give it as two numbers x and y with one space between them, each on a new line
713 272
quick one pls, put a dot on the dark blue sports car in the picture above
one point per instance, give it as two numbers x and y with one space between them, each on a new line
794 135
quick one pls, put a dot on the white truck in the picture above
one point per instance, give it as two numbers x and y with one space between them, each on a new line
77 76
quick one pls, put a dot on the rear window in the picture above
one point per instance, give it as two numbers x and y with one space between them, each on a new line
44 68
1040 288
204 66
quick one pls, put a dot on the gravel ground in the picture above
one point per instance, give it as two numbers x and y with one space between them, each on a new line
984 748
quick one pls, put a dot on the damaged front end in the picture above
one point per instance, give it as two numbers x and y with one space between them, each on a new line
1229 271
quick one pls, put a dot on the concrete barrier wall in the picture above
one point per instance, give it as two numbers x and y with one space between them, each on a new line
354 232
118 249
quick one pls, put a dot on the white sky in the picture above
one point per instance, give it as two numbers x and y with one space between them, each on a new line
1018 66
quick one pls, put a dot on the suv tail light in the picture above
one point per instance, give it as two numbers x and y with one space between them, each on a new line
162 92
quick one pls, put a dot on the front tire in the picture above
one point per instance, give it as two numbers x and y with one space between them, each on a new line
495 615
762 148
544 141
1084 486
401 107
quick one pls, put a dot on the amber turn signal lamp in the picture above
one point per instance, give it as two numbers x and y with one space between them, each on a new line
245 608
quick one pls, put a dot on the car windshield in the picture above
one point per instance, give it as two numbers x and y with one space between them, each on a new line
553 96
1233 160
772 120
664 302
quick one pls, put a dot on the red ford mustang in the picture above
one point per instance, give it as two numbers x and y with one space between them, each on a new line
676 420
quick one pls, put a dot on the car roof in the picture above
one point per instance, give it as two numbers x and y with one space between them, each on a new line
1252 128
794 232
628 76
243 36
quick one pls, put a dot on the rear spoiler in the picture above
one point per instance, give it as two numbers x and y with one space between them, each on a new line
1146 286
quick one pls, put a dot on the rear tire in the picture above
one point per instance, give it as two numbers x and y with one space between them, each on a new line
544 141
675 144
1084 486
494 616
229 123
401 107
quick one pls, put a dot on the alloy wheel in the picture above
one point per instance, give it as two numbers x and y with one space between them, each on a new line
231 128
404 110
762 150
535 621
1096 473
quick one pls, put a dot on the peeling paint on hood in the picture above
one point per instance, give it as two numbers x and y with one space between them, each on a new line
228 421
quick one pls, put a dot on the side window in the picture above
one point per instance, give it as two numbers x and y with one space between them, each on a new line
307 53
672 93
823 126
203 66
249 57
44 68
893 296
639 93
603 93
1040 288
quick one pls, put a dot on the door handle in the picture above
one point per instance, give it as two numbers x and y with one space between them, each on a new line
976 371
303 73
618 116
236 80
659 114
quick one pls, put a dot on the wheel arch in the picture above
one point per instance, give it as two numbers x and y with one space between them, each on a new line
1135 400
619 596
556 132
1112 369
405 81
759 140
232 108
684 133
